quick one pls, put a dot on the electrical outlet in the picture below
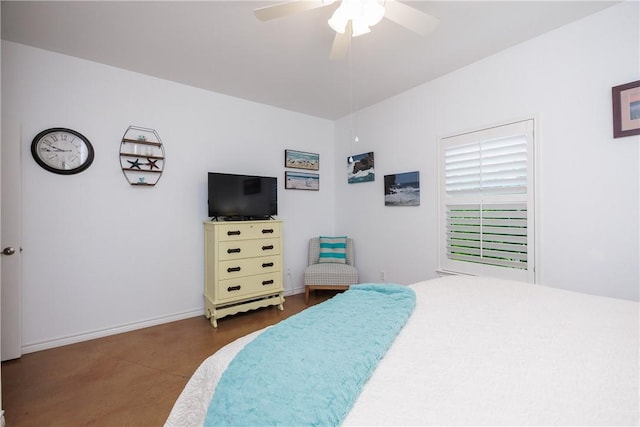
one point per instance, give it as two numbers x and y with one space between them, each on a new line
383 276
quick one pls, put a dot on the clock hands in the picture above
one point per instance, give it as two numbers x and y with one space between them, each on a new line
56 149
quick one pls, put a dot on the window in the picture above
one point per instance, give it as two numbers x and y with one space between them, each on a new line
487 202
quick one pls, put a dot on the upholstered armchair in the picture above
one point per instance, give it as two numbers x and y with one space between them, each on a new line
330 267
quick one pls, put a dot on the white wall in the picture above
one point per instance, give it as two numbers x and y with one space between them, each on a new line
588 182
102 256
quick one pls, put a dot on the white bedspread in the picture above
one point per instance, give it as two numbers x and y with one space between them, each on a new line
480 351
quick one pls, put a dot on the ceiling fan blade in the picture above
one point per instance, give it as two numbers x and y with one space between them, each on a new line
410 18
341 43
283 9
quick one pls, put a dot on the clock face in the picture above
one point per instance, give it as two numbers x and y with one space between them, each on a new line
62 151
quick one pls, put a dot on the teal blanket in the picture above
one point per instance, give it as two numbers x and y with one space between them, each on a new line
309 369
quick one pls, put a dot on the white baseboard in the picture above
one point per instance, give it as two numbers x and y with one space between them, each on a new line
58 342
294 291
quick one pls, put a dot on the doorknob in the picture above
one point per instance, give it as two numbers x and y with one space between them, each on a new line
8 251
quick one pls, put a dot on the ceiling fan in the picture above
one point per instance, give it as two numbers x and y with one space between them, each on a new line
355 17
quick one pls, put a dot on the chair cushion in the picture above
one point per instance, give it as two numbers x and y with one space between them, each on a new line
333 249
330 274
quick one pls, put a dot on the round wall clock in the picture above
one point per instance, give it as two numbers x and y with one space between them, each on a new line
63 151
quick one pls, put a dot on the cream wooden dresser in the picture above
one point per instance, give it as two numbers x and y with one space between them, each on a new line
243 267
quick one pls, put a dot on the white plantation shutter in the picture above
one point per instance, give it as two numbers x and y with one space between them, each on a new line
489 167
487 201
494 234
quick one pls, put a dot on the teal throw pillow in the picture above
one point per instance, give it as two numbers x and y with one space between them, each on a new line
333 249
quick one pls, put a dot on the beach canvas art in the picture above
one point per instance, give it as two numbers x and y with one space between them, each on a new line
360 168
301 160
402 189
301 181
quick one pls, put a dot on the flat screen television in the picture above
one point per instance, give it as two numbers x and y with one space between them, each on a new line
242 197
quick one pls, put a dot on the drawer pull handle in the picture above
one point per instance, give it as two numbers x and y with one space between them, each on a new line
267 282
232 269
233 233
267 231
266 248
267 264
233 251
233 288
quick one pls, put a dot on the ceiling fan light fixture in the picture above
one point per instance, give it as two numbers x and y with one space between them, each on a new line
362 14
359 27
339 20
372 11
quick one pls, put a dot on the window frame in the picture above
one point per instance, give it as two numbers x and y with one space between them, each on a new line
527 127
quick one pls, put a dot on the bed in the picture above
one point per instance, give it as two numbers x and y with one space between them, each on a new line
482 351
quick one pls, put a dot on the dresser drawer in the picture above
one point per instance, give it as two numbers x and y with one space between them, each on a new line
248 267
248 248
246 287
247 230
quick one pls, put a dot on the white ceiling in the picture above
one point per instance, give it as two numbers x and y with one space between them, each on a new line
221 46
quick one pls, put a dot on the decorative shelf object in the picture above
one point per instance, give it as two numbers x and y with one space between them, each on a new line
142 156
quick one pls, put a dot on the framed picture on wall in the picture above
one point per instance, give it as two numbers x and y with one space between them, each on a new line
360 168
402 189
301 181
301 160
626 109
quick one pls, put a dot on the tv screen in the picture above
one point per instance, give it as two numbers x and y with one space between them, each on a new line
242 196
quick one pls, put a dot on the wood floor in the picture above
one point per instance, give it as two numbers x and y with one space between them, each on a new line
129 379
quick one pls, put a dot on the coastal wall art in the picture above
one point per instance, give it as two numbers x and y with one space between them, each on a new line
301 160
402 189
626 109
360 168
301 181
